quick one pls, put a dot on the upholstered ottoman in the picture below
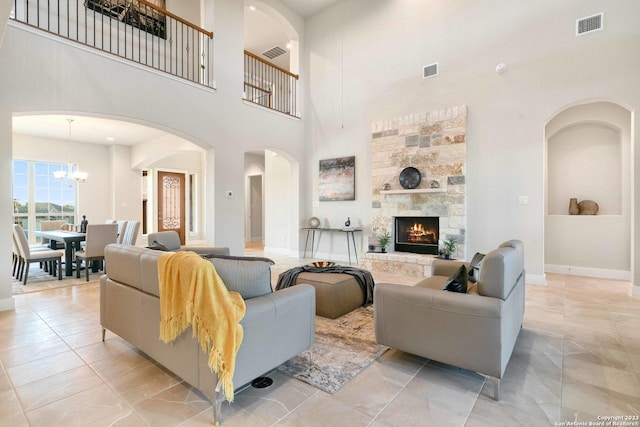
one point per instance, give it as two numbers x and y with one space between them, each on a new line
336 293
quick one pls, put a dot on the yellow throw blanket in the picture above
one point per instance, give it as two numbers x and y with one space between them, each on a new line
192 293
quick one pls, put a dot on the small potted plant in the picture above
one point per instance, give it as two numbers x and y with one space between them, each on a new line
383 241
448 248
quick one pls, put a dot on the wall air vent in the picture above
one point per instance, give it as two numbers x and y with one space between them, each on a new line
430 71
274 52
589 24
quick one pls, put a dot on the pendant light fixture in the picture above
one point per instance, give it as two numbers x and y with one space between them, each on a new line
70 174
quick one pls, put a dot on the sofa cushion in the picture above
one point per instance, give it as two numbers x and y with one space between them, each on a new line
249 276
474 267
457 282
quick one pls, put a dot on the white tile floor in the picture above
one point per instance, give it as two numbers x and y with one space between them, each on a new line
577 358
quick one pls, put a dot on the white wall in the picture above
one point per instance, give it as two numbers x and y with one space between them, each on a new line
366 57
278 204
126 185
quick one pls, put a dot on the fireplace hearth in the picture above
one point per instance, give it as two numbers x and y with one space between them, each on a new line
417 234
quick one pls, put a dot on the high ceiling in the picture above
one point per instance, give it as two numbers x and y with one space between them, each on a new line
307 8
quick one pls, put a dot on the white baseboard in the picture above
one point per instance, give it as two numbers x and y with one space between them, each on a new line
635 291
7 304
535 279
599 273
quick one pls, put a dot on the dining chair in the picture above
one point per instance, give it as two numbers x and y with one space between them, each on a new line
130 234
98 236
53 257
122 225
52 225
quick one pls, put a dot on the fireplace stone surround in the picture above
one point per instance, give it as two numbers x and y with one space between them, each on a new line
435 144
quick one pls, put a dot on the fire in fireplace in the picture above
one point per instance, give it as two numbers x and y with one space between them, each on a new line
417 234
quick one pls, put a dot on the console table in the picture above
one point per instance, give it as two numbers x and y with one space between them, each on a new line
348 231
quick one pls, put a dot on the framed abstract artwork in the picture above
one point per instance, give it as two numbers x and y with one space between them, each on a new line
337 179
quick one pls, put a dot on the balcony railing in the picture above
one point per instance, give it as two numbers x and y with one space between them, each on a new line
268 85
132 29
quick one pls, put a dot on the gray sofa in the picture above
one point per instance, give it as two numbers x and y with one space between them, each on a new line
277 325
476 330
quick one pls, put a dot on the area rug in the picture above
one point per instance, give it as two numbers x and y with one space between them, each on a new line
40 280
343 347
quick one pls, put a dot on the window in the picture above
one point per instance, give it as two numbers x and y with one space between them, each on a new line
38 196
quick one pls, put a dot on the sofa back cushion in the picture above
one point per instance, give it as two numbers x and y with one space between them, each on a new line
501 269
124 264
249 276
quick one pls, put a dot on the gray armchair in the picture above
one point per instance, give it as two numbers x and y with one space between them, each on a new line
476 330
171 241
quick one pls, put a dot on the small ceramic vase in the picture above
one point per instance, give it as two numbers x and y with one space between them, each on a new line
573 206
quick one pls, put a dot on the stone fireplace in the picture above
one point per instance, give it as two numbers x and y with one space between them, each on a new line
435 144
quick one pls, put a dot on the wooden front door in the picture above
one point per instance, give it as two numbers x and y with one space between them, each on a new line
171 203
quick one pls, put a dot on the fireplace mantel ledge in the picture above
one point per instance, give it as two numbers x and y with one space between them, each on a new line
416 190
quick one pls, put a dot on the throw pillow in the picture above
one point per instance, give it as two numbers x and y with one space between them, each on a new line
458 281
157 246
249 276
474 267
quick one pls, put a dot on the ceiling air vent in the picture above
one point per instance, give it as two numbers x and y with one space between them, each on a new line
430 71
589 24
274 52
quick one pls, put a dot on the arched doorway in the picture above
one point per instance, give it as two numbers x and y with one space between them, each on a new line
272 183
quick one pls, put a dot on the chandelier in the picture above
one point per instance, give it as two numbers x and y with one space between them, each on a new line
70 173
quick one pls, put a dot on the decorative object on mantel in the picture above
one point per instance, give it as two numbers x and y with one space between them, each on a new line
386 186
448 248
383 241
588 207
434 184
573 206
314 222
410 178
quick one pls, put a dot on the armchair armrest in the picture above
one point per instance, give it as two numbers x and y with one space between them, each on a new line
440 267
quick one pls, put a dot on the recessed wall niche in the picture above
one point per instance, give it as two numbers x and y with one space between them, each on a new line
584 161
588 156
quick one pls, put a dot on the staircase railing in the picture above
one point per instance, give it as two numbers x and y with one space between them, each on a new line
268 85
132 29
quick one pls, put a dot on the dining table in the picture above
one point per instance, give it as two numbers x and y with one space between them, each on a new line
71 240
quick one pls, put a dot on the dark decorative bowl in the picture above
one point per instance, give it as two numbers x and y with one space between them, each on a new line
322 264
410 178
